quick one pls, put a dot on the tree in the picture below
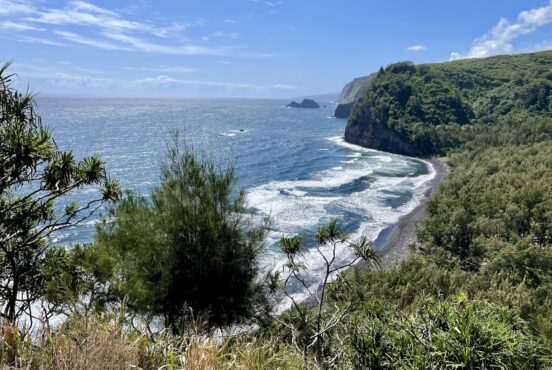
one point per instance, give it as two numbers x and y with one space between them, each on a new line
188 246
312 324
35 176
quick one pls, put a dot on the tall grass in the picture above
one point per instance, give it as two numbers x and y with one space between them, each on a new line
97 344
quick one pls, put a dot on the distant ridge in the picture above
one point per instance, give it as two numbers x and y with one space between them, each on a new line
355 89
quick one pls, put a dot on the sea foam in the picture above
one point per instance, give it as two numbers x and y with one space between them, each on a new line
371 179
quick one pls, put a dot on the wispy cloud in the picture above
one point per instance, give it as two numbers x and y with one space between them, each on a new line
83 23
77 68
66 79
13 26
416 48
541 46
163 69
86 14
100 44
151 47
15 7
500 38
230 35
31 39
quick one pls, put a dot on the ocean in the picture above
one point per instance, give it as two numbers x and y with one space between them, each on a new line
293 163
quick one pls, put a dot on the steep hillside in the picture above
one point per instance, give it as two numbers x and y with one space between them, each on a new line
405 108
353 91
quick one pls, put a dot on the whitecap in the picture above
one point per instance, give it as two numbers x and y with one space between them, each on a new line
231 133
298 205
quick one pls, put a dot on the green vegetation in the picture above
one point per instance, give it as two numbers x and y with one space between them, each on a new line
415 103
488 230
449 334
34 175
165 271
187 248
309 327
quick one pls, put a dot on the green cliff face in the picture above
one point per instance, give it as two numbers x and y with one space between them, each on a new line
406 107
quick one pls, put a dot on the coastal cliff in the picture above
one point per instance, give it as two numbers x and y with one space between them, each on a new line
344 110
352 91
355 89
368 132
420 109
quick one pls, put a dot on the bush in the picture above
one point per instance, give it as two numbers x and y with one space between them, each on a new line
444 335
188 246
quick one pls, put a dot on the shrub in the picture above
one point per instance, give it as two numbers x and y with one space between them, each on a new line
189 245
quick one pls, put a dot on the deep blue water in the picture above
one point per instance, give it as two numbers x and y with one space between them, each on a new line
292 162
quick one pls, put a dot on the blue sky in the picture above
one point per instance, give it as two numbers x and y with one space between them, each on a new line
250 48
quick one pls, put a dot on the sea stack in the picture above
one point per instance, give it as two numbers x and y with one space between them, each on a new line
306 103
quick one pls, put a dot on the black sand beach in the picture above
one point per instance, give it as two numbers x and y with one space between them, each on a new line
394 242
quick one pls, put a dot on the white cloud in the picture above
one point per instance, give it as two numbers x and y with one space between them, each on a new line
417 47
500 38
85 14
65 79
34 40
100 44
13 26
49 70
15 7
139 44
81 5
110 30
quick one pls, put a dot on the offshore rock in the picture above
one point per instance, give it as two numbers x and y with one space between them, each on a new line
306 103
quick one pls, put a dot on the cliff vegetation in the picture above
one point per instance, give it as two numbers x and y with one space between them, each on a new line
414 109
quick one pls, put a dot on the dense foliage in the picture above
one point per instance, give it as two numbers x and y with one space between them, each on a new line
415 101
188 246
440 335
487 232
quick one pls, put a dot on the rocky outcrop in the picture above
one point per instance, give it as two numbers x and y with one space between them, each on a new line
306 103
344 110
365 131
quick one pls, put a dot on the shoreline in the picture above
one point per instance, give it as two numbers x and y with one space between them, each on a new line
393 243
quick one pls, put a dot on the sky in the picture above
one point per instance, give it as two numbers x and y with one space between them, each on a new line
249 48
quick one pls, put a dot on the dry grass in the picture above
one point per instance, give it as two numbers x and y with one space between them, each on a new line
92 344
